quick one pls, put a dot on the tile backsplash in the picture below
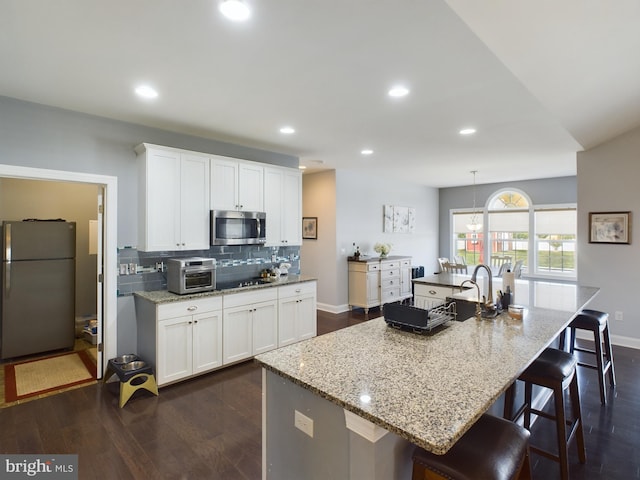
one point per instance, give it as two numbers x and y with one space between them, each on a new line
140 271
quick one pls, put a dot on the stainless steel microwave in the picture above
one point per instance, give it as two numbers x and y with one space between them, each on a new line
231 227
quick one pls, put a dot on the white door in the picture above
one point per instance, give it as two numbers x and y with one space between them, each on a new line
307 321
273 179
194 202
236 334
207 341
97 242
265 327
288 311
292 208
175 347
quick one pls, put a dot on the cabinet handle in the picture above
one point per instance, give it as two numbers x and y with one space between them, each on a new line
298 290
432 292
193 308
390 282
190 322
195 321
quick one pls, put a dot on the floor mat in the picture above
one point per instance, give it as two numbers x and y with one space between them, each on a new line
47 375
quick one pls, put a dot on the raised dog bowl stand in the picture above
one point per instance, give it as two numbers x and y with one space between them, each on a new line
133 374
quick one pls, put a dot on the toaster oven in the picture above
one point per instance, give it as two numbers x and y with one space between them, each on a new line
191 275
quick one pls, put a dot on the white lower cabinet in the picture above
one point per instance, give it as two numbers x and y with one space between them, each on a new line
250 324
297 313
180 339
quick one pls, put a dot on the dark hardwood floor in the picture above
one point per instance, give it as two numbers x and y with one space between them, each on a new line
210 427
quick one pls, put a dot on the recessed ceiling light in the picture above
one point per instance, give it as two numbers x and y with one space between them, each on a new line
145 91
366 151
288 130
467 131
302 167
398 91
235 10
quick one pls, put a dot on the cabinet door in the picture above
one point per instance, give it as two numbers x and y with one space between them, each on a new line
251 187
224 184
273 184
405 280
194 202
287 318
292 208
307 318
174 349
265 327
236 334
160 207
373 288
207 341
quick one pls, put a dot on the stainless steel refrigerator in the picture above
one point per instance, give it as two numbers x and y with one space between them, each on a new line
38 287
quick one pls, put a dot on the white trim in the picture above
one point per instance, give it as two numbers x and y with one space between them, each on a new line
619 340
325 307
264 424
364 428
110 288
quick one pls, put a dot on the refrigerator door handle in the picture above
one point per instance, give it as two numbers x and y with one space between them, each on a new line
7 242
7 279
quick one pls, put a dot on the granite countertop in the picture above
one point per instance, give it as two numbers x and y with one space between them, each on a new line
427 389
164 296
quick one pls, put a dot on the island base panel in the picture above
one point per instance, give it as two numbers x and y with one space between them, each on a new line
291 453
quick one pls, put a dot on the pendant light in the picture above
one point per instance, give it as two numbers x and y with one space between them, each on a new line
475 225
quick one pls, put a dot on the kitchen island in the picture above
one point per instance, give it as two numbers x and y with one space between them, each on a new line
366 394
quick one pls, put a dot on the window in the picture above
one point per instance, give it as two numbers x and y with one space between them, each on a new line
540 239
555 242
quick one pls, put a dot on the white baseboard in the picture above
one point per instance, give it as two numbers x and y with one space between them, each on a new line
332 308
620 340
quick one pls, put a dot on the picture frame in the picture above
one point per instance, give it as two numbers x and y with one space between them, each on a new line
610 227
309 228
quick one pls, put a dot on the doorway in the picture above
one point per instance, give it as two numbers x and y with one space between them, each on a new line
104 204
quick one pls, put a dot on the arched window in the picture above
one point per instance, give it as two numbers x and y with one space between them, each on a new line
508 231
534 240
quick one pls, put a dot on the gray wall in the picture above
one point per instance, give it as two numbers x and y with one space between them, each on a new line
547 191
608 177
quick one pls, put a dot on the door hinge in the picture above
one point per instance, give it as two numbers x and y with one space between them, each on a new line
100 209
100 278
100 347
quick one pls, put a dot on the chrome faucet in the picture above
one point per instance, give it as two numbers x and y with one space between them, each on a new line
489 307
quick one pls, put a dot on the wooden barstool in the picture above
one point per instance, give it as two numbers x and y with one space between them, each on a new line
556 370
598 323
492 449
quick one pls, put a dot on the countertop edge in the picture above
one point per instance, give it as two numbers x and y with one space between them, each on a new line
164 296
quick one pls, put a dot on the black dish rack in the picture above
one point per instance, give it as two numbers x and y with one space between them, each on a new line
418 320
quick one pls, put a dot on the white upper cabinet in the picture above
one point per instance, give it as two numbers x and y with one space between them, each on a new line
283 205
236 185
173 199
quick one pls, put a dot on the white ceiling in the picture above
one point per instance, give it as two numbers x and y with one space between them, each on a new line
539 79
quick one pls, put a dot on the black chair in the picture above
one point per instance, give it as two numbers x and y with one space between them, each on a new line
597 323
492 449
556 370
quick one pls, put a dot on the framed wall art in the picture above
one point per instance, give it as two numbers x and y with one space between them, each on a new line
610 227
310 228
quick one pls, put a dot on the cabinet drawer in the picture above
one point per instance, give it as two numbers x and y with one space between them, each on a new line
258 295
297 289
189 307
364 266
389 265
390 273
390 282
405 263
436 291
390 294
